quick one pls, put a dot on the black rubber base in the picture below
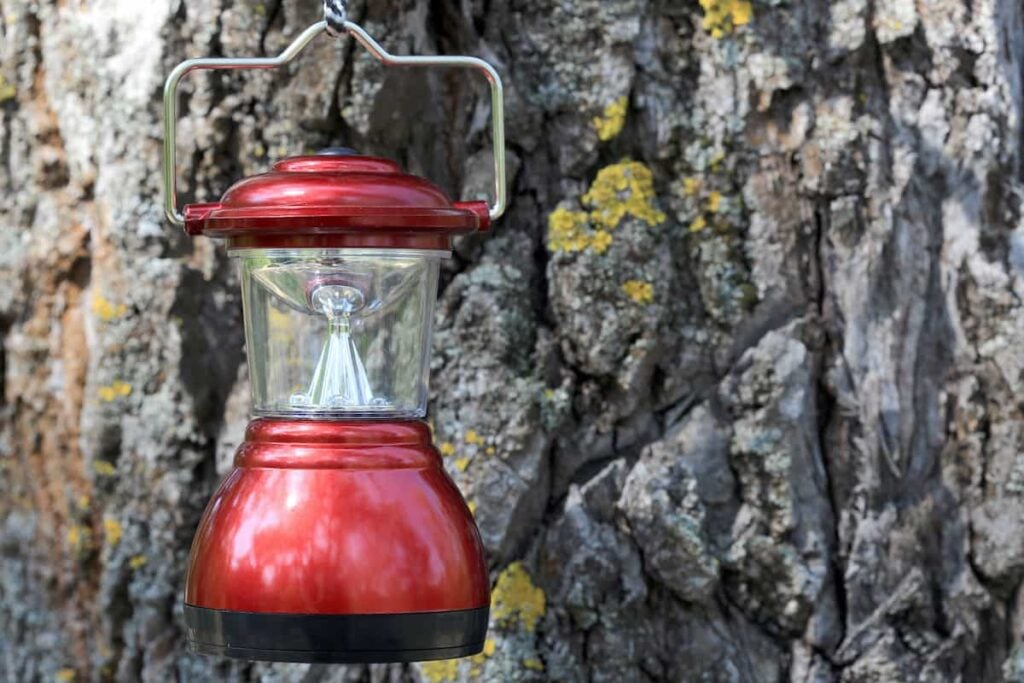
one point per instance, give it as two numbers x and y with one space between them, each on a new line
336 638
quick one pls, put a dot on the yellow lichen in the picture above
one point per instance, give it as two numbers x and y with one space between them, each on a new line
533 664
472 507
447 449
105 310
516 600
714 201
601 240
113 531
83 502
473 438
490 450
716 161
476 662
698 224
77 536
639 291
65 675
114 391
440 671
137 561
567 230
7 90
621 190
724 16
612 119
691 185
461 464
104 468
894 25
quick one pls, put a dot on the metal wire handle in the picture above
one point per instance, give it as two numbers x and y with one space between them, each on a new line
373 47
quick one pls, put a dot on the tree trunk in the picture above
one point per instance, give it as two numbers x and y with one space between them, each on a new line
734 387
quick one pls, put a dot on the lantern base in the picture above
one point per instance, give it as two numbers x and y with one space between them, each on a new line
337 541
336 638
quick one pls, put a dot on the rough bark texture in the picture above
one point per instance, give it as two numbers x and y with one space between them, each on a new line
735 387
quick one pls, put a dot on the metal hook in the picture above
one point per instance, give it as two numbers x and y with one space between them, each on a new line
374 48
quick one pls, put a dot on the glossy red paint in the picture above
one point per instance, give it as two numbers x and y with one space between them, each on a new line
336 201
332 517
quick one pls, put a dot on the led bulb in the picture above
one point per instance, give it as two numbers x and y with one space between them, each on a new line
336 301
339 380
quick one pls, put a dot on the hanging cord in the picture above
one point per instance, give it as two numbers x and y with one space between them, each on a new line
336 14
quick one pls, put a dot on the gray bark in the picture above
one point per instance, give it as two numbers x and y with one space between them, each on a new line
758 421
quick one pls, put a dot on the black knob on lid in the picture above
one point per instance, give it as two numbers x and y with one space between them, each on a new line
337 152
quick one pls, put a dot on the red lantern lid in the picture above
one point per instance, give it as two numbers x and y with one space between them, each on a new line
336 199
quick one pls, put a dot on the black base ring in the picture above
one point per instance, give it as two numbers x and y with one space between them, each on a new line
336 638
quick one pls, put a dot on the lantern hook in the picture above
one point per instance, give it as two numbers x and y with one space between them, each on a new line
335 14
495 209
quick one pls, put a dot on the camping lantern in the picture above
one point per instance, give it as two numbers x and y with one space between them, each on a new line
338 536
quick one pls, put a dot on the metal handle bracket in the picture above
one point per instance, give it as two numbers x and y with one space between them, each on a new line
495 209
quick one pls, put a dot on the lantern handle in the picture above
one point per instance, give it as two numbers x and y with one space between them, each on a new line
496 209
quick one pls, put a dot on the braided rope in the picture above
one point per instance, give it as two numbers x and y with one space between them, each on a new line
336 14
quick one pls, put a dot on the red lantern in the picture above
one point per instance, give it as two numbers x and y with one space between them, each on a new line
338 536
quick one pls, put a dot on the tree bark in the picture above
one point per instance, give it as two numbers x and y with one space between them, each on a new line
734 388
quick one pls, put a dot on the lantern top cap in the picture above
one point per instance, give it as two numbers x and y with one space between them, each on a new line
336 199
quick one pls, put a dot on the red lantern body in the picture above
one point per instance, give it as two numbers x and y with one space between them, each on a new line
337 541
